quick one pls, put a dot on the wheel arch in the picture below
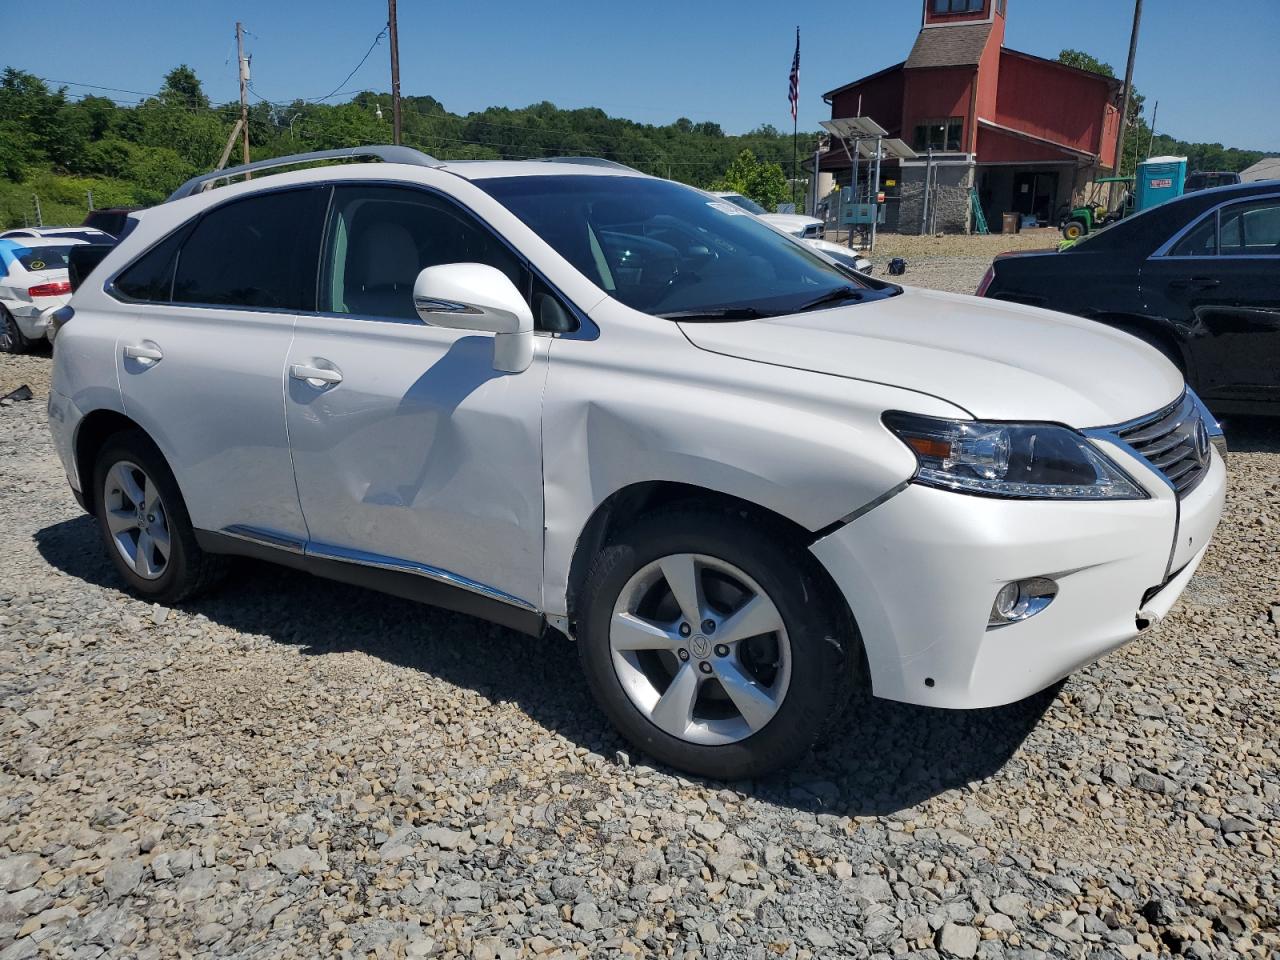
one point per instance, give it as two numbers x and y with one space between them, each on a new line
631 502
92 434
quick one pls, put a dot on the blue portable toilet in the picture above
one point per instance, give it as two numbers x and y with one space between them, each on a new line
1160 179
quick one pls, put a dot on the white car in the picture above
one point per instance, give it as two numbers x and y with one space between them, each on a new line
843 255
747 483
796 224
33 284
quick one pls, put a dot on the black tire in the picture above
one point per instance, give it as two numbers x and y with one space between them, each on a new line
189 570
826 656
12 339
1074 229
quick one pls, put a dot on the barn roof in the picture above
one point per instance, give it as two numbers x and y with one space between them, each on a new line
954 46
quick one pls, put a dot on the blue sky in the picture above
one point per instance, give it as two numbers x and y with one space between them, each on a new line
1210 64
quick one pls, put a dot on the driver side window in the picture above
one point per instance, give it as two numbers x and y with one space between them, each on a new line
379 238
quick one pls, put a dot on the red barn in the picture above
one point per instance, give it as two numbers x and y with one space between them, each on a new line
1023 131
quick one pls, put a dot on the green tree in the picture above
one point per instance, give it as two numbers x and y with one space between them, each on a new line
765 183
182 88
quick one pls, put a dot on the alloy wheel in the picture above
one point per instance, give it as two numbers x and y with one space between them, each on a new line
137 519
7 340
700 649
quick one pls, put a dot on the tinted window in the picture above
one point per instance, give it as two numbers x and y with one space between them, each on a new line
150 277
379 238
1251 229
1202 241
256 252
43 258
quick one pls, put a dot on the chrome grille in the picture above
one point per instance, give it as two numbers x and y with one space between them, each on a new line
1174 440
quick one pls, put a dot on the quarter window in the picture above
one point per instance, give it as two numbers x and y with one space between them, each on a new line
150 278
257 252
379 238
1202 241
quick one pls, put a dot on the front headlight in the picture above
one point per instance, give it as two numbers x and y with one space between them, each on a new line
1035 461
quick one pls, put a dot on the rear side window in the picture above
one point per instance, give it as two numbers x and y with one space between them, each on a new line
257 252
1251 229
1202 241
150 278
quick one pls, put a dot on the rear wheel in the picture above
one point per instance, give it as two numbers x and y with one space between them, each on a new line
12 339
714 646
1074 229
144 522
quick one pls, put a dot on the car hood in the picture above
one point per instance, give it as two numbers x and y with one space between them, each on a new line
998 361
790 222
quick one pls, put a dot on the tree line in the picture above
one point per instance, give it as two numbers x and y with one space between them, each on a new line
134 154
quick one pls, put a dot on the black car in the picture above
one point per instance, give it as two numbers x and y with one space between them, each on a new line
1207 181
1198 278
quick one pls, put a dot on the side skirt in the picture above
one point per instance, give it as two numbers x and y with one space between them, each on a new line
398 581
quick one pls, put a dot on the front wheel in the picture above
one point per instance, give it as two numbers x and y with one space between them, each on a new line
1074 230
713 644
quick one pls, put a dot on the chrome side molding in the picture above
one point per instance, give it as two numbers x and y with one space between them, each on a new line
325 551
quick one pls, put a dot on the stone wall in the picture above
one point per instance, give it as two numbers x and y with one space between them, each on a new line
950 211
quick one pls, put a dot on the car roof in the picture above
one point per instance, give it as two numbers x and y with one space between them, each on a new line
55 233
490 169
32 243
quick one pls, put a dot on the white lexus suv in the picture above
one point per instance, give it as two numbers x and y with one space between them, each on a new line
747 481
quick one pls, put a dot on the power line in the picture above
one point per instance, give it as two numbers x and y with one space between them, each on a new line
338 89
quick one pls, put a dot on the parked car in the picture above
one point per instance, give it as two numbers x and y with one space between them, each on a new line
1207 181
747 482
88 235
112 220
796 224
33 284
841 254
1198 278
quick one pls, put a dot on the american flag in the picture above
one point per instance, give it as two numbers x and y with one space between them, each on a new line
794 92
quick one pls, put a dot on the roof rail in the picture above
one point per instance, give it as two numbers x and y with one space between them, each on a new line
387 154
588 161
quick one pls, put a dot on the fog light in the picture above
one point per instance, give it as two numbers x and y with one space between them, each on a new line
1021 600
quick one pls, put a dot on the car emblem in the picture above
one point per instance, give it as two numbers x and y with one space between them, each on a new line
700 646
1202 443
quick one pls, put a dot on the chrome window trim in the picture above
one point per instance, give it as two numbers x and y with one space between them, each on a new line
1162 252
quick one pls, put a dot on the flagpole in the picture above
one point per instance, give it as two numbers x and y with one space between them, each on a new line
795 128
795 117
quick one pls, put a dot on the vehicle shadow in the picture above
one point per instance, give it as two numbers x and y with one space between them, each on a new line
882 757
1252 434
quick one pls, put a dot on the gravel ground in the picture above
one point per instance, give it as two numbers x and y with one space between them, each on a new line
291 767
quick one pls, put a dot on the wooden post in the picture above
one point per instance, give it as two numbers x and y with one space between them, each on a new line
395 71
244 93
1128 86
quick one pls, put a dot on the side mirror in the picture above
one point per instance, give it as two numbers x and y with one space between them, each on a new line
474 296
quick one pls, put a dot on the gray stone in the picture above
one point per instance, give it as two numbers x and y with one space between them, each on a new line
297 860
955 940
121 877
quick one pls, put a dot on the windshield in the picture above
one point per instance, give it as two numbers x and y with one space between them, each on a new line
746 203
672 251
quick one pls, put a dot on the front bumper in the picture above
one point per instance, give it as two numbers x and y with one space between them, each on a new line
921 570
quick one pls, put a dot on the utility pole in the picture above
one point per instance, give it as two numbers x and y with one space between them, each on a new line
244 92
1128 84
395 71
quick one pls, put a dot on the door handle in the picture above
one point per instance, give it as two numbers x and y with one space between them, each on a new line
1195 283
315 376
146 354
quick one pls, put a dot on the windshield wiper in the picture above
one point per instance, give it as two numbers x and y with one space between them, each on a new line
725 313
835 296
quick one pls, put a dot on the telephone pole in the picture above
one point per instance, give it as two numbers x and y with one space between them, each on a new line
395 71
1128 85
244 91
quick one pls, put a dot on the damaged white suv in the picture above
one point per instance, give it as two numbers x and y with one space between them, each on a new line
747 481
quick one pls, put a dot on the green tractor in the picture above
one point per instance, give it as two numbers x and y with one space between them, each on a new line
1094 213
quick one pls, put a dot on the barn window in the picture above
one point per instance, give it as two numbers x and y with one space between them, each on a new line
941 135
958 6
